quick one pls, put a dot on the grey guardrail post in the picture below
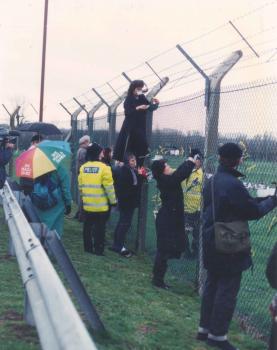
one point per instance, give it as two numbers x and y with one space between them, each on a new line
50 240
211 137
11 252
58 323
57 248
90 120
143 210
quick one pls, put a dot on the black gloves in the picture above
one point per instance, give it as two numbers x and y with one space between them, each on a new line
67 210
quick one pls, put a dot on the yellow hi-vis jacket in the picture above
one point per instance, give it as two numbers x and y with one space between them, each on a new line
96 186
192 189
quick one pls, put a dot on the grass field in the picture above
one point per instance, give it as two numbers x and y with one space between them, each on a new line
136 315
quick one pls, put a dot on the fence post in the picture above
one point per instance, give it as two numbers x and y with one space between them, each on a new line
13 116
109 116
82 106
90 119
143 207
113 111
200 70
211 135
74 143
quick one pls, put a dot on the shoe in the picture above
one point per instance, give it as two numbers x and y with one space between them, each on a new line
99 253
201 336
125 252
223 345
161 285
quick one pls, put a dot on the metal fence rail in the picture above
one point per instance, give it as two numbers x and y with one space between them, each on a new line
58 324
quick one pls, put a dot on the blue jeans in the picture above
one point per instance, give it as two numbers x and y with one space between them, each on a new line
122 227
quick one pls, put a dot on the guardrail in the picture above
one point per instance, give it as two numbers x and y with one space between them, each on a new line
57 321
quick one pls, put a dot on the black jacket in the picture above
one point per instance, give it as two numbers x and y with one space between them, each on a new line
232 202
170 218
271 269
132 136
5 157
128 194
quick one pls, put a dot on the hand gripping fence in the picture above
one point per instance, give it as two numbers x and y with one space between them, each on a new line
58 324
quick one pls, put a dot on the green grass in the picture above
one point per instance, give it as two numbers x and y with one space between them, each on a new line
136 315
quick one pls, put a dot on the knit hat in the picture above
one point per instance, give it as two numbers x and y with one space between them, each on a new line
230 150
158 168
93 151
84 139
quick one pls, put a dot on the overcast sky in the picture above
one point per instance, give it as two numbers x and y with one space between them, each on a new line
91 41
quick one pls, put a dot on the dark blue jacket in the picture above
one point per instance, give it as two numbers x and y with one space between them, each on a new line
232 202
5 156
128 193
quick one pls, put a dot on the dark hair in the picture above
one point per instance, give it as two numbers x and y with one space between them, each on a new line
195 151
128 156
158 168
107 155
135 84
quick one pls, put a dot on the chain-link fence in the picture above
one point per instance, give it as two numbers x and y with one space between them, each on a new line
247 116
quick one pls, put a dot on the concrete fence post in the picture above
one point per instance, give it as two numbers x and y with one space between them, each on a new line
211 138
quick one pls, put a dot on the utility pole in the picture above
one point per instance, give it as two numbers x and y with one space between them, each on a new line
43 60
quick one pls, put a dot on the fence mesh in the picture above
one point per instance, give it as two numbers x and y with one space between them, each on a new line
247 116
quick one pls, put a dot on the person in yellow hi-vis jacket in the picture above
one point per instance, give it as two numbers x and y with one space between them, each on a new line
97 191
192 189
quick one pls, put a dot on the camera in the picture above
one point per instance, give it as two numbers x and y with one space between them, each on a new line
8 136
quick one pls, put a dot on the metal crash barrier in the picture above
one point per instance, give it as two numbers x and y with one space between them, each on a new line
57 321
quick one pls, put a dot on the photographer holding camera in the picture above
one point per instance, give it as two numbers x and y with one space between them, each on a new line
7 144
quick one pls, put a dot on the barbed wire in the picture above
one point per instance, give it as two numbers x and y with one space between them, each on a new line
207 53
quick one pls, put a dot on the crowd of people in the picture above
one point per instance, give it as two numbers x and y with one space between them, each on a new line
108 180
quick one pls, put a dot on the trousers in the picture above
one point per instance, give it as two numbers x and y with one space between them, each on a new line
218 303
122 227
94 231
160 267
192 220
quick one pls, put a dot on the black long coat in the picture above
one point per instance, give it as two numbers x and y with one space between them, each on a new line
132 136
171 239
